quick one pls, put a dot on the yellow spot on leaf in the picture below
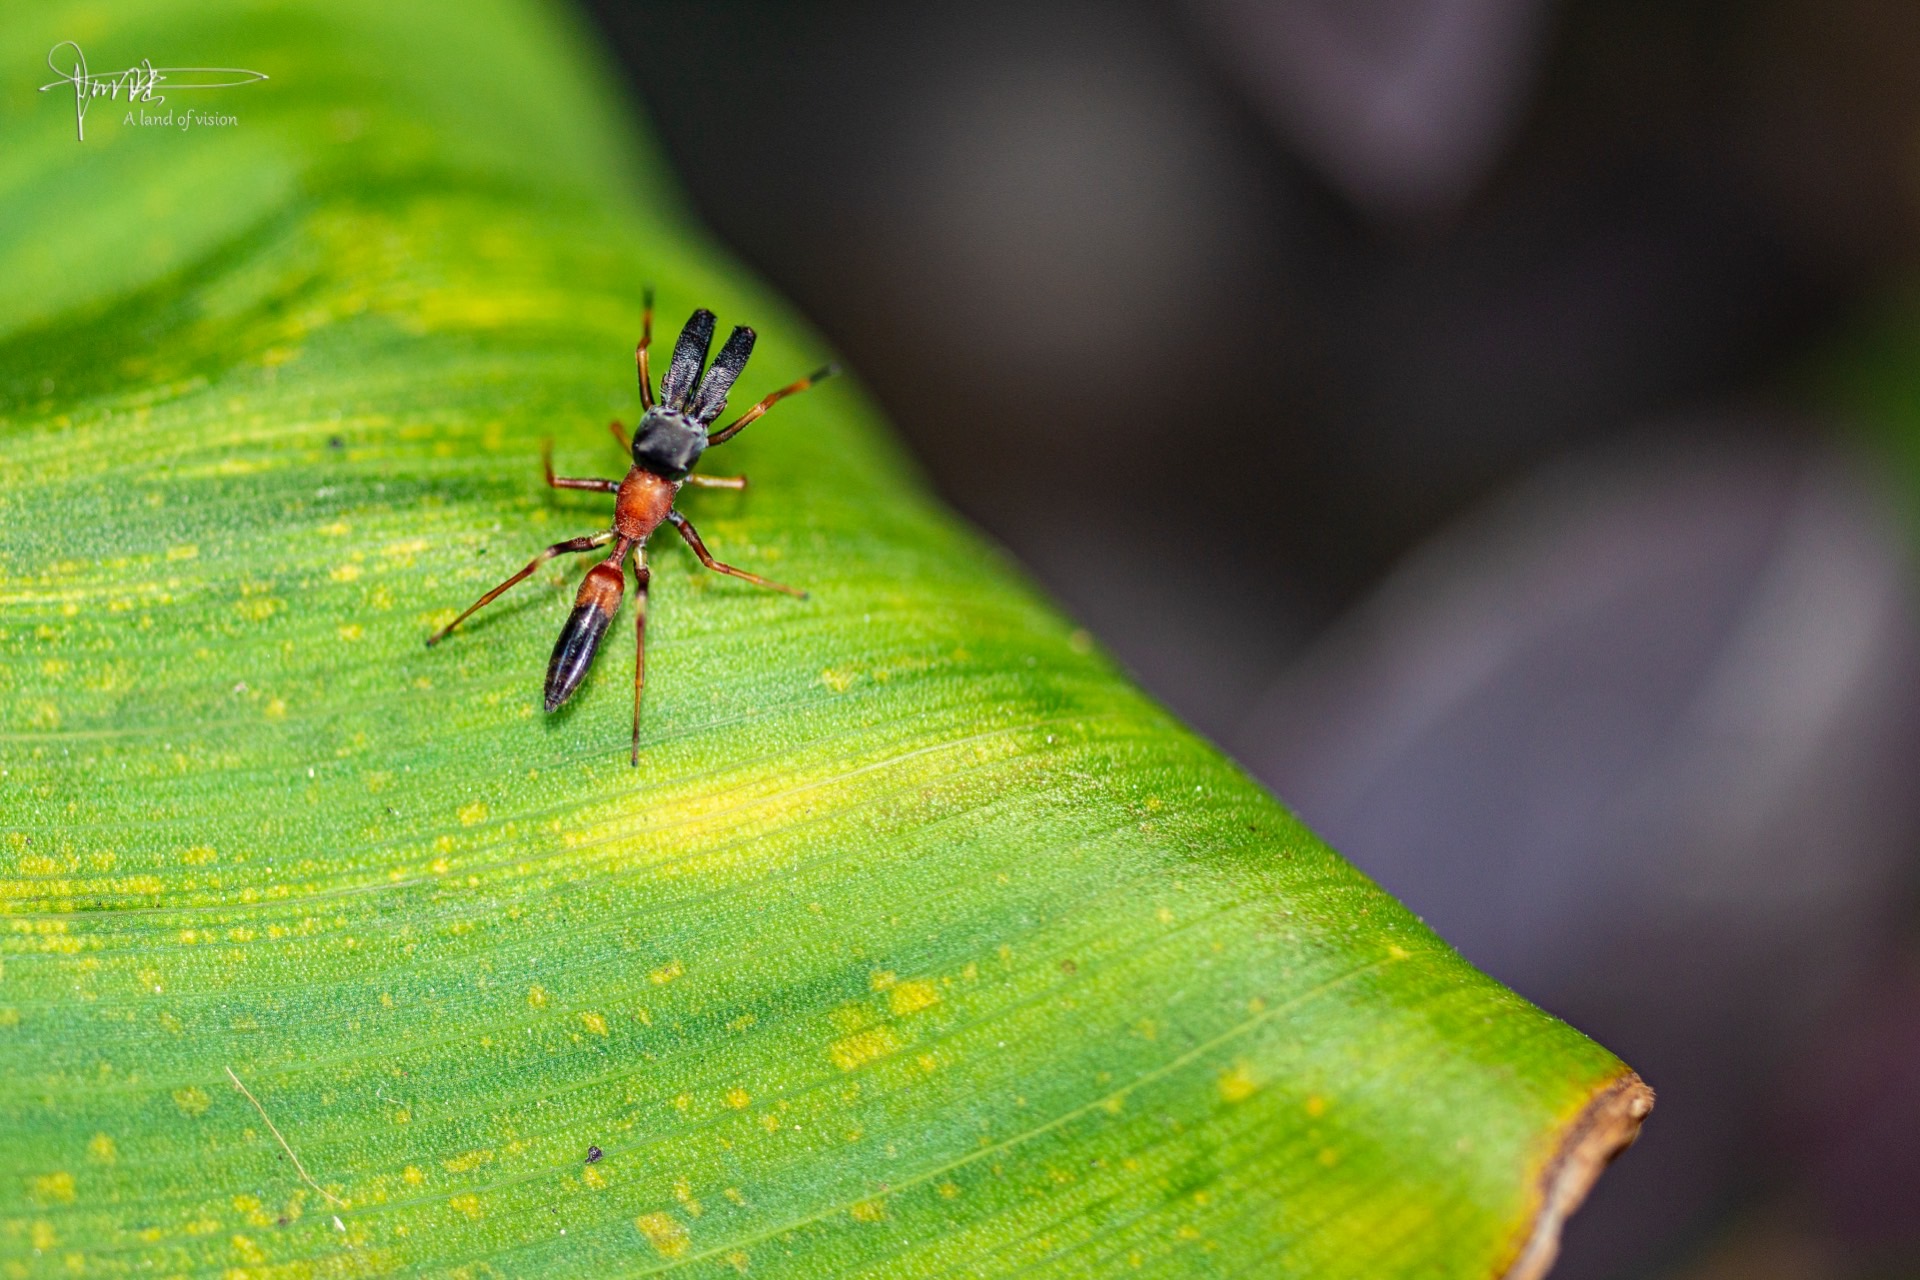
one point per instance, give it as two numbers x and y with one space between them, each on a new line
467 1163
344 573
537 996
102 1148
664 1232
850 1051
852 1017
472 813
351 632
594 1023
882 979
868 1210
683 1192
276 709
838 681
412 1175
1237 1084
53 1188
668 973
254 1211
1316 1105
912 997
185 551
193 1100
737 1098
468 1204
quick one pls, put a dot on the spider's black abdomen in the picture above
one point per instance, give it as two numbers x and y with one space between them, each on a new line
668 443
573 652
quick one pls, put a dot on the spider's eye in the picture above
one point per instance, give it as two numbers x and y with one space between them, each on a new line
668 443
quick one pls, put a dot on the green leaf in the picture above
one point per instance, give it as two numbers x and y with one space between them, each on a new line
919 942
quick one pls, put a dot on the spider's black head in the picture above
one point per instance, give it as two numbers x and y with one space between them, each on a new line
668 442
672 434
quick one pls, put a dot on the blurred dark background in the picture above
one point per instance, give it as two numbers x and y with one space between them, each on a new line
1420 397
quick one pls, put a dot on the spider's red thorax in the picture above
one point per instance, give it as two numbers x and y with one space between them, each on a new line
642 504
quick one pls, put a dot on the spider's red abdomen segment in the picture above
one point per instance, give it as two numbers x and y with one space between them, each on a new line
593 610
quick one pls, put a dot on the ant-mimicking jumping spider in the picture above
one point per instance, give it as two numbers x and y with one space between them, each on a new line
671 436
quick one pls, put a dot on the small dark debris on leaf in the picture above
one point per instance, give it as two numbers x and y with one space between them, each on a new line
281 1222
594 1154
1068 966
335 442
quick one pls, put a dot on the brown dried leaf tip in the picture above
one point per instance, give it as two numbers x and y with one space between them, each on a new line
1607 1126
